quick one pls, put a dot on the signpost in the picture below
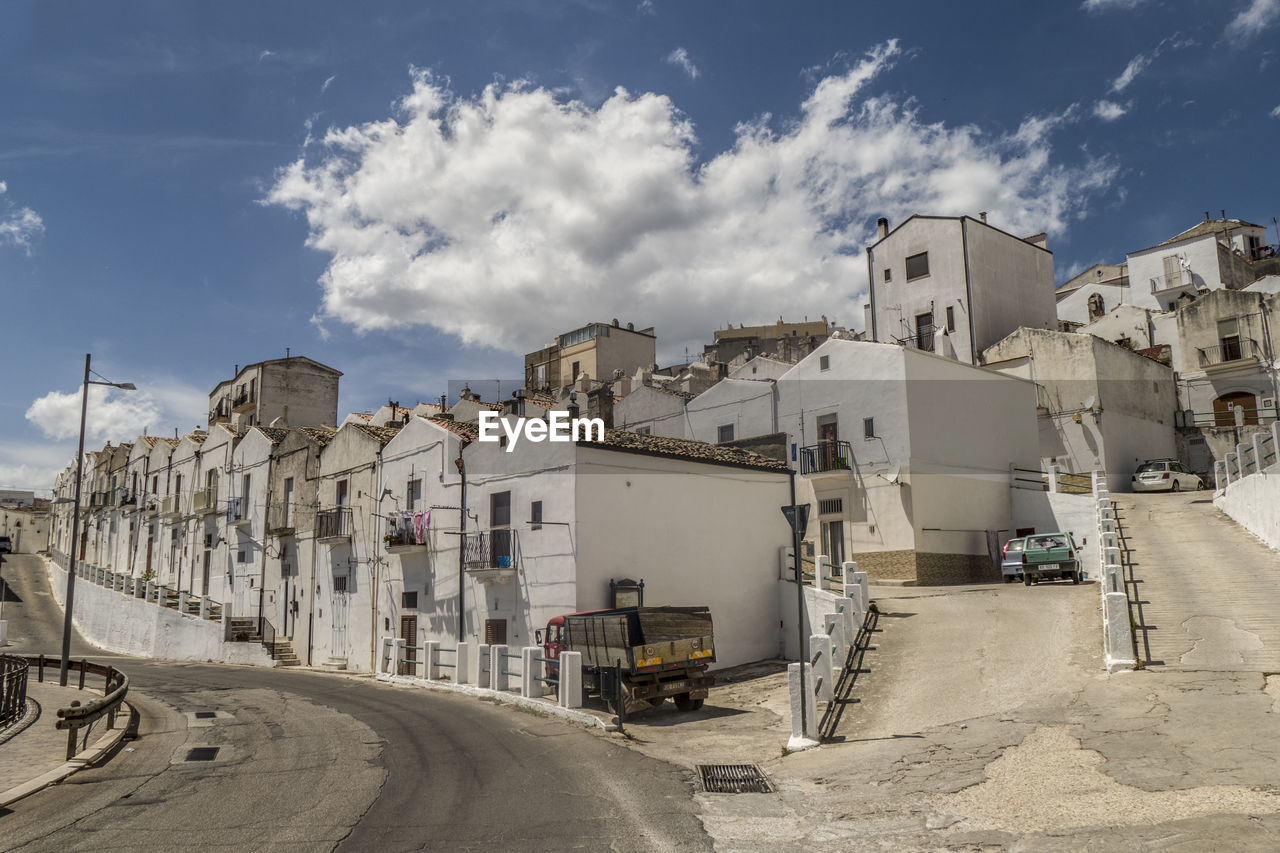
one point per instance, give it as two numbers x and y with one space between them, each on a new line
798 518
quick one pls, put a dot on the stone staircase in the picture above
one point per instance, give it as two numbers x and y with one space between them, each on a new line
244 629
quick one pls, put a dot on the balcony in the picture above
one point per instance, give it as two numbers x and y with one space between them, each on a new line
170 507
921 340
242 402
1165 285
281 520
126 501
205 501
221 412
1231 352
100 500
827 459
333 525
491 556
237 511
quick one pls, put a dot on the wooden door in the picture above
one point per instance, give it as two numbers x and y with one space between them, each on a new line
1224 409
495 632
409 633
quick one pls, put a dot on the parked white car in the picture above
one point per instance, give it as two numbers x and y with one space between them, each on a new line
1164 475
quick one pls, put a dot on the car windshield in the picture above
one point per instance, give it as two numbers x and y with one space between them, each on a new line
1047 542
1014 545
1150 467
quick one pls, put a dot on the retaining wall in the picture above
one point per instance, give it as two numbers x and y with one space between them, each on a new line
121 623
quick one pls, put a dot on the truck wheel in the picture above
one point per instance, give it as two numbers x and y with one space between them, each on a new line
656 701
1026 580
1075 576
684 703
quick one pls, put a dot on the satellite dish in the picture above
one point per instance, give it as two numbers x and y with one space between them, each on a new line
1088 404
894 473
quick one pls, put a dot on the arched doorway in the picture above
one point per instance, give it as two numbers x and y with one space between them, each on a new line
1224 408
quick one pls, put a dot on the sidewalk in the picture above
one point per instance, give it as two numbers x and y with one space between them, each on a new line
30 750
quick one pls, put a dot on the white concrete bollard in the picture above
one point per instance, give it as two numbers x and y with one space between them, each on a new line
398 655
809 730
821 568
823 676
1113 577
834 625
1259 455
1111 556
462 670
1119 633
204 607
497 664
431 656
864 591
571 679
386 663
1107 525
480 666
151 592
4 632
530 686
1231 461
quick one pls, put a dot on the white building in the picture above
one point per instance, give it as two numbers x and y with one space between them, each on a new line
1098 404
956 285
1092 294
1212 255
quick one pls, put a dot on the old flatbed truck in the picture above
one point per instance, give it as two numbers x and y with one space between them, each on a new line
663 652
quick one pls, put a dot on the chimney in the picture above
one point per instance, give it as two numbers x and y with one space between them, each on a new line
983 217
600 404
442 403
624 386
285 417
882 228
1206 216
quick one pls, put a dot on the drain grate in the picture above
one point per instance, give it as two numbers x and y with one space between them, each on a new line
205 715
203 753
733 779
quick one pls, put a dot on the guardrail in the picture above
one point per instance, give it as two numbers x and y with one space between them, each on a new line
77 716
1119 651
199 607
13 689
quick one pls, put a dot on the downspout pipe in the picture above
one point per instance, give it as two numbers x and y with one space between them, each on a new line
462 547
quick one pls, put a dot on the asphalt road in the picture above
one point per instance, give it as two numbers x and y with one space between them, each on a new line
311 761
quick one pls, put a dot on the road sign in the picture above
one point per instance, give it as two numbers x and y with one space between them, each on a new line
797 517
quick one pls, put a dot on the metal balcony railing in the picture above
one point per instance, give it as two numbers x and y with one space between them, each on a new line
484 550
826 456
1229 350
237 510
1161 283
242 400
334 523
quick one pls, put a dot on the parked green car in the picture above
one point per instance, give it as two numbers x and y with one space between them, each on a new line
1050 555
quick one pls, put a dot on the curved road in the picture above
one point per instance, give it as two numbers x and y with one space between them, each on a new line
311 761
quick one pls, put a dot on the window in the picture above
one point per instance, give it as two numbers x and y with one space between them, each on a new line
287 509
951 318
888 274
413 494
824 362
644 430
868 428
177 484
1229 339
340 583
833 542
831 506
500 509
924 332
574 371
341 493
409 600
535 515
918 266
1096 306
242 556
724 433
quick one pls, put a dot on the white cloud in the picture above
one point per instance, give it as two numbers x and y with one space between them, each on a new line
33 465
266 54
645 7
18 225
1132 70
1109 110
328 81
1275 113
1109 5
680 58
1253 20
115 415
510 216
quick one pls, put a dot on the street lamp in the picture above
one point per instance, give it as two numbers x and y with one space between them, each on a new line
75 518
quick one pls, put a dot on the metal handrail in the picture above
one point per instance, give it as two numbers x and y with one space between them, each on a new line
13 688
79 716
1239 349
826 456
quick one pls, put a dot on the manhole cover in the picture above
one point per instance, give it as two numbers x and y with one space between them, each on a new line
205 715
203 753
733 779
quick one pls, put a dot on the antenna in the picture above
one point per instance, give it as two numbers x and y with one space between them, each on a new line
894 472
1088 404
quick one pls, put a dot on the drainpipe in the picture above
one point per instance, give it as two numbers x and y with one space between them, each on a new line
801 656
462 547
375 572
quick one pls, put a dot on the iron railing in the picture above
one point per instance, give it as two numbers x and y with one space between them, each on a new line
1231 349
237 510
170 506
205 500
13 689
333 523
826 456
1161 283
490 549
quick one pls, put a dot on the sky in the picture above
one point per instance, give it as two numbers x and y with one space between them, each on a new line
415 193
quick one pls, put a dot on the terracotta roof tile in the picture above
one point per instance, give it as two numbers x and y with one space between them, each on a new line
679 448
378 433
364 416
468 431
320 435
274 434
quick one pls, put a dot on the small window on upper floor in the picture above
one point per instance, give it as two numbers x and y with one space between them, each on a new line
868 428
824 362
951 318
644 430
888 274
724 433
918 266
535 515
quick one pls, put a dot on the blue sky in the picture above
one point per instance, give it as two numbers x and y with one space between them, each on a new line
415 192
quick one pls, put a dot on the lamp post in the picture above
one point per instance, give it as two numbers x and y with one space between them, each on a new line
75 518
